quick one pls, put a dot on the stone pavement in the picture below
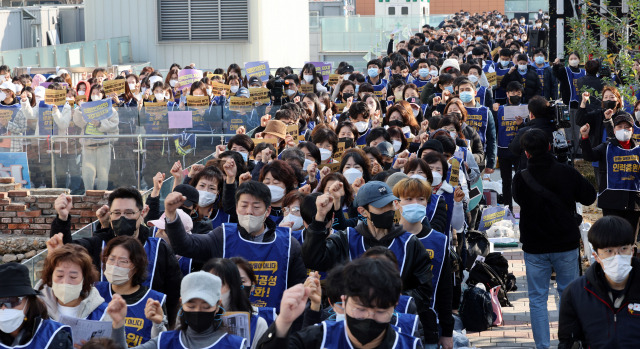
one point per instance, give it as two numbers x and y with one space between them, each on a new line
516 331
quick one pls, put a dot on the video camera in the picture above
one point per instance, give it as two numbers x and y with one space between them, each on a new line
561 119
276 89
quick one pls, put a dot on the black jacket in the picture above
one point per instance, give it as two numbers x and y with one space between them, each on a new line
550 85
439 220
597 123
322 252
588 313
590 82
565 90
168 276
530 81
546 227
544 124
609 199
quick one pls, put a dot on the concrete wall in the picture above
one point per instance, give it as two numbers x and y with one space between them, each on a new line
272 35
10 30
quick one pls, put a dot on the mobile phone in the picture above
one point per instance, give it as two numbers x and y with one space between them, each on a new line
473 192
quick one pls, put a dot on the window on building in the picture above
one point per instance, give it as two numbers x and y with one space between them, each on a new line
404 10
392 10
314 19
203 20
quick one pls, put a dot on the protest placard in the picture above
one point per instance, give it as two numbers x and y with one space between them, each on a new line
259 69
97 110
240 104
306 88
492 78
492 215
238 323
47 84
57 97
333 79
323 68
112 87
198 101
180 119
186 77
218 87
512 111
259 94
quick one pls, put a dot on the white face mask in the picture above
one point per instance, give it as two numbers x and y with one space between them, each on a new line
433 73
406 130
396 146
437 179
11 319
142 89
250 223
362 126
453 134
81 93
234 89
637 115
307 78
66 293
340 317
159 96
306 164
574 62
277 193
325 154
522 67
617 267
116 275
416 112
352 174
419 176
322 107
297 221
206 198
209 90
173 83
290 92
623 135
96 97
473 78
225 298
132 87
3 96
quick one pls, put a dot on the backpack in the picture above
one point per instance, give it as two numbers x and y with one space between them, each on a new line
476 310
501 266
486 275
477 245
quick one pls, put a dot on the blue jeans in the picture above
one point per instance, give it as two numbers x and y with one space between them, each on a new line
538 269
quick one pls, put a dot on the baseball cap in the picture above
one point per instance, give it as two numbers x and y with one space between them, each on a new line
255 80
186 220
624 117
375 193
386 149
203 285
8 85
189 192
242 92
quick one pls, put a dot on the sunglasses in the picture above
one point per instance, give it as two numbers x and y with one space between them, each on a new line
10 302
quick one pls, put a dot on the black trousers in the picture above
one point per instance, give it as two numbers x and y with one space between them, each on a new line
507 164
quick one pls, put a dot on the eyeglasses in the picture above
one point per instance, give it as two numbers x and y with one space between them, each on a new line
360 312
123 263
294 210
10 302
128 214
610 252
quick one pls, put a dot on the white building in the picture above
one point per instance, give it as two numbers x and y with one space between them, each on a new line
209 33
402 7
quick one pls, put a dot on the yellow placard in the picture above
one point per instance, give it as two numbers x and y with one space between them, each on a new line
113 86
339 152
334 166
333 79
57 97
198 101
492 78
259 94
306 88
292 130
240 104
217 88
271 141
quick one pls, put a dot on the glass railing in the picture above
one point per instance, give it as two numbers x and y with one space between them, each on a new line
97 53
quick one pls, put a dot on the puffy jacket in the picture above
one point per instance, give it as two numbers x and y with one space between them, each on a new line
588 314
321 251
599 125
90 303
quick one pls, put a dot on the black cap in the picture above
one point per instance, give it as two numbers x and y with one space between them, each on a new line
189 192
433 145
15 281
623 117
255 80
386 149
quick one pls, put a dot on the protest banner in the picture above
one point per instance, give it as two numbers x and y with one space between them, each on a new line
240 104
323 68
306 88
96 111
180 119
259 94
492 78
112 87
157 117
15 165
333 79
57 97
259 69
494 214
186 77
198 101
218 87
46 126
513 111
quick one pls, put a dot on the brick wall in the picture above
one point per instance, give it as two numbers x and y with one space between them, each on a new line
29 212
450 7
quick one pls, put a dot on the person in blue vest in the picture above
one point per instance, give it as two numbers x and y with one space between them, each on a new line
526 75
125 268
568 77
503 66
507 130
66 286
412 196
232 297
201 315
483 94
249 282
369 298
481 119
545 73
375 206
24 322
376 77
123 215
209 184
17 124
360 116
273 253
424 74
600 308
619 188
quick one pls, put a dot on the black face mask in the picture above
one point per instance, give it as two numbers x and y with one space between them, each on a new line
346 96
610 104
201 321
365 330
124 226
247 291
514 100
383 220
396 123
348 142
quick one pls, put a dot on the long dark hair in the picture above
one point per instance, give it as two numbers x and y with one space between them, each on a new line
228 272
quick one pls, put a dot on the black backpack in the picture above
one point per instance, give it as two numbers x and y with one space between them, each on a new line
484 274
476 311
477 245
501 266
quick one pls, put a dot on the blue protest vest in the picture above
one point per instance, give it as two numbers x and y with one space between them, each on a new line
98 313
432 206
636 133
171 340
137 326
623 168
501 93
540 72
46 125
481 94
403 304
362 140
448 199
398 246
185 265
406 323
335 337
276 219
151 248
507 129
436 244
157 119
573 83
47 329
220 218
268 314
487 66
478 118
270 262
